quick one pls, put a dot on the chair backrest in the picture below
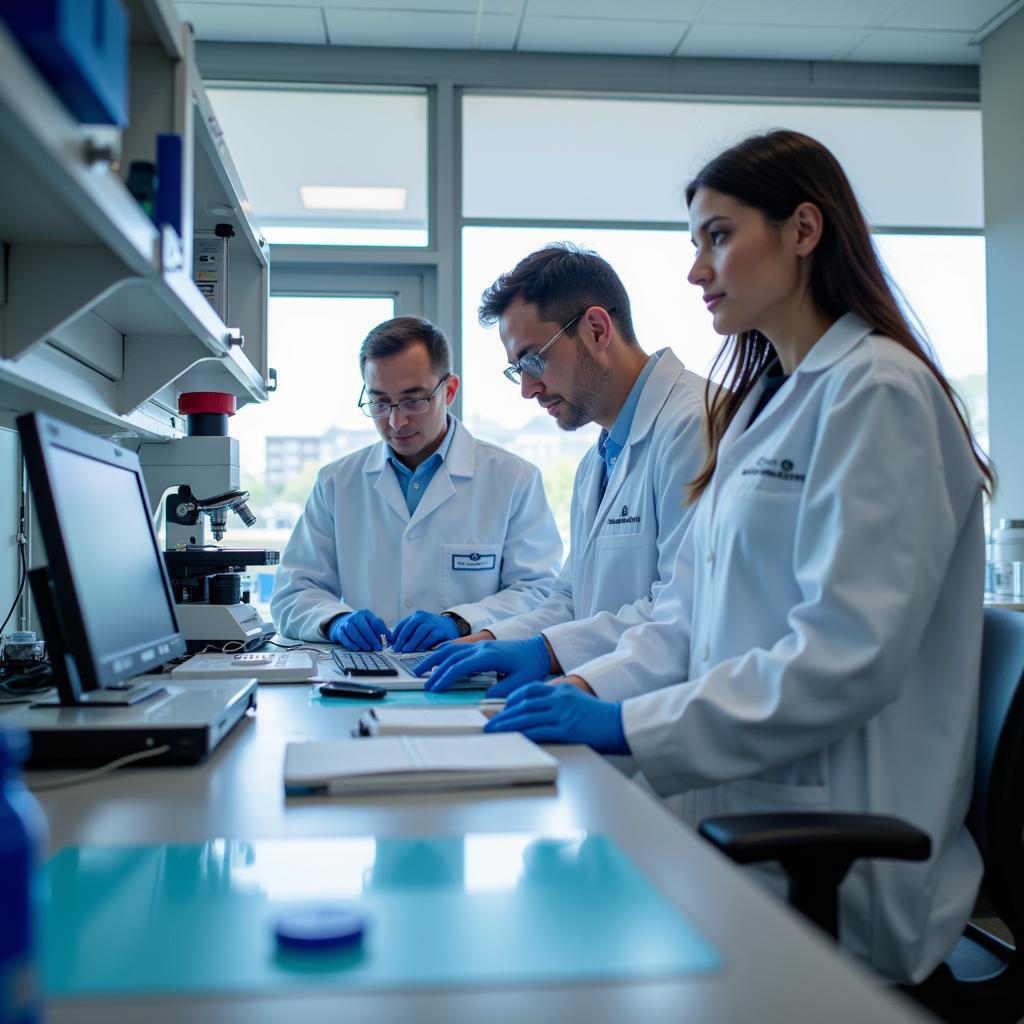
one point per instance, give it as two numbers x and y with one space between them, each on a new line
996 816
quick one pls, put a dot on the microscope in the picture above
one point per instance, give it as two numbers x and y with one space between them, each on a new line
212 606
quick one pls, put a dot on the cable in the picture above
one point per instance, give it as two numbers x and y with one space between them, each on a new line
77 780
35 678
228 647
300 646
24 575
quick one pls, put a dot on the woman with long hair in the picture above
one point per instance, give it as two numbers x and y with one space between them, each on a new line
819 647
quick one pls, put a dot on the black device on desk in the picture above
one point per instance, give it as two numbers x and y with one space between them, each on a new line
343 688
107 611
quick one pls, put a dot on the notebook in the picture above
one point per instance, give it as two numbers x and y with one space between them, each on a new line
406 721
406 764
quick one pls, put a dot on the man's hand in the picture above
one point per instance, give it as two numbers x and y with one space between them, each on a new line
522 661
578 681
422 630
358 631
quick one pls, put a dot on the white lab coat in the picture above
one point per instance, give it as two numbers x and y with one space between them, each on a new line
624 547
482 542
832 633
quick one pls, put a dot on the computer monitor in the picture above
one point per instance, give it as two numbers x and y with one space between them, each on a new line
105 600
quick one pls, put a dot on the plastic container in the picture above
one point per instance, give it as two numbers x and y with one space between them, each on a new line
22 840
1008 541
22 646
142 184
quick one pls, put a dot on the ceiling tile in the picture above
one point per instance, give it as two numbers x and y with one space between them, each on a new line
498 31
904 46
803 13
962 15
400 28
265 23
645 10
599 35
246 3
769 42
463 6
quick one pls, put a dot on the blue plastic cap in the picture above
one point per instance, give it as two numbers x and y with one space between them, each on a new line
319 928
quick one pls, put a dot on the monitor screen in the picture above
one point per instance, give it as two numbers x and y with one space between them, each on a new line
110 587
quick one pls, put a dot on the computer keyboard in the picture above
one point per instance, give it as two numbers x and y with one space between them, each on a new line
410 661
362 663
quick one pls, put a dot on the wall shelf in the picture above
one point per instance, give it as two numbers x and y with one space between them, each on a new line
98 309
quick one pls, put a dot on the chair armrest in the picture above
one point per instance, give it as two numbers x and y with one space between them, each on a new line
815 851
749 838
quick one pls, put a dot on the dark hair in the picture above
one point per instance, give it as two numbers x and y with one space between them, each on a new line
561 280
775 173
394 336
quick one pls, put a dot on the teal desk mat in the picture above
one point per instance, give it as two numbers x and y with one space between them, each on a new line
491 908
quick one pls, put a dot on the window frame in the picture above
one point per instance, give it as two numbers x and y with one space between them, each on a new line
447 77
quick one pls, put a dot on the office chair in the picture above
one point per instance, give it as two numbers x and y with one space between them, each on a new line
983 978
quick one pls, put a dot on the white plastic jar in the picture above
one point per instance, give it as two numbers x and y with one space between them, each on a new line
1008 541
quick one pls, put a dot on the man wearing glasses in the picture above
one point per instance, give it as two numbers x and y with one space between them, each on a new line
564 319
425 536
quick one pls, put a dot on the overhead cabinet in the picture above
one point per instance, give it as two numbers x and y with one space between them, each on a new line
100 318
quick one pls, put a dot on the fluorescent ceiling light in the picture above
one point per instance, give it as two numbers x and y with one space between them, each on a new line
335 197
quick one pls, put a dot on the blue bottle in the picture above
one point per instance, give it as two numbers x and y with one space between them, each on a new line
22 839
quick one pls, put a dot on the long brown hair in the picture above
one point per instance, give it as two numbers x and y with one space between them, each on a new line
774 173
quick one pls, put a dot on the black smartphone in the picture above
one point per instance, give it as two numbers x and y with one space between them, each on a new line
343 688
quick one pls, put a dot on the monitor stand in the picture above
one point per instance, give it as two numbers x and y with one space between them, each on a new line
65 672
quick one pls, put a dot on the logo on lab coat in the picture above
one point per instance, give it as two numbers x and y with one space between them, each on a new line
778 469
473 562
624 517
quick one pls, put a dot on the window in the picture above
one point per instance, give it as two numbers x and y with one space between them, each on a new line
311 419
629 160
330 167
666 312
648 151
942 279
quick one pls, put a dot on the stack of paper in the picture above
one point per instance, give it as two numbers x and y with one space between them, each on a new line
403 721
415 763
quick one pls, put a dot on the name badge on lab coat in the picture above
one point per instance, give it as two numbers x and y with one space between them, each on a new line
474 562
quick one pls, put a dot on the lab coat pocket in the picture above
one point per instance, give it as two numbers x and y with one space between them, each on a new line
625 563
761 521
469 572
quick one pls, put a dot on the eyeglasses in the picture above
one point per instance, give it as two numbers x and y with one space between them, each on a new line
407 407
533 363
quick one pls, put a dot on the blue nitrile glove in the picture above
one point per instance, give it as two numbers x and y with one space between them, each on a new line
358 631
423 630
563 714
523 661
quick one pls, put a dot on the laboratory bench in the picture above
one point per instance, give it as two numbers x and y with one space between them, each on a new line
773 967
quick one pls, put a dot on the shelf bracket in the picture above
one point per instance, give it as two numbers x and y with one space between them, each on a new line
50 285
151 362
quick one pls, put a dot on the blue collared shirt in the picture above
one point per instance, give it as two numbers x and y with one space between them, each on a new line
414 483
611 442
